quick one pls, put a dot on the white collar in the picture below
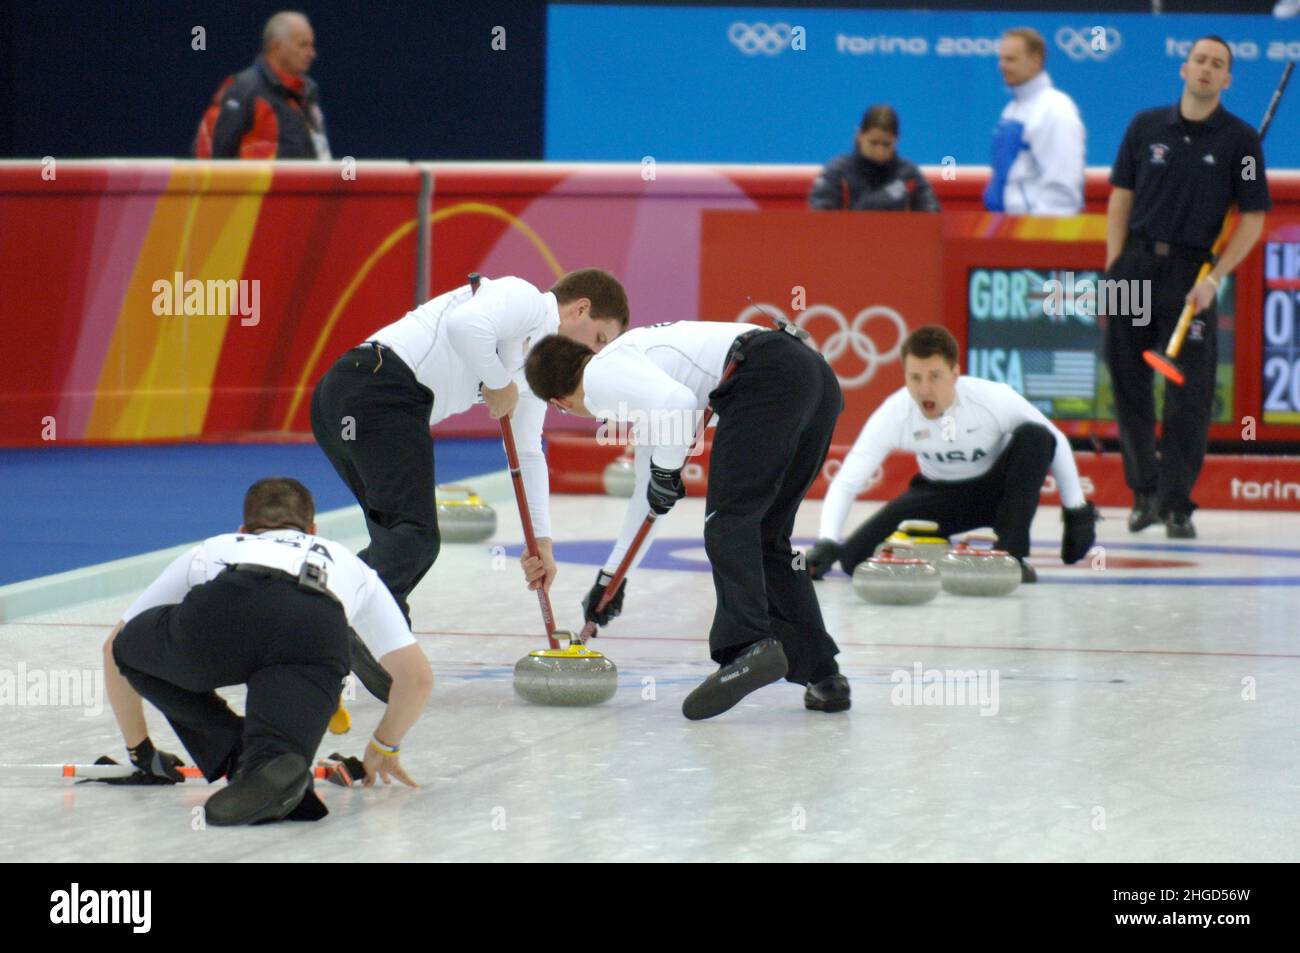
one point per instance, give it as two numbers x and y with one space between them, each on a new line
1032 87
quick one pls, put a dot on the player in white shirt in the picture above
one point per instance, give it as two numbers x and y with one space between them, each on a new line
269 607
983 451
372 411
1038 144
775 417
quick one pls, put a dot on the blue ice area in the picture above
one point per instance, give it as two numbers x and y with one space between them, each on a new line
64 508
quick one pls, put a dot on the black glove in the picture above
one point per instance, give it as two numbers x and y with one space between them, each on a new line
822 557
344 770
665 489
611 611
152 766
1079 533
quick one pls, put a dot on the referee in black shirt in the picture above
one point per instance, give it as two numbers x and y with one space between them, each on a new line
1178 171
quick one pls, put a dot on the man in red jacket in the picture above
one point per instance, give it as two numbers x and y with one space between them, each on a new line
269 111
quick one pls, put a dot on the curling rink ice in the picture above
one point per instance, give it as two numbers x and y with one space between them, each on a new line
1145 711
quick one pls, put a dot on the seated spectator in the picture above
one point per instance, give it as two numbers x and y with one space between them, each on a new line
874 177
269 111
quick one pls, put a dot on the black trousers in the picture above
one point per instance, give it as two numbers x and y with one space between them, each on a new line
1006 498
290 647
776 414
371 417
1171 473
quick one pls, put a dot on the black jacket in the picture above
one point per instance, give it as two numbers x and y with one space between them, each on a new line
255 116
851 182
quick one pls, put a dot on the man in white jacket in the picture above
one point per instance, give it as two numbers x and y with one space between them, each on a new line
776 413
271 607
983 451
1038 144
372 411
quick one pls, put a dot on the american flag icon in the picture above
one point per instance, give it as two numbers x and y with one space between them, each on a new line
1059 374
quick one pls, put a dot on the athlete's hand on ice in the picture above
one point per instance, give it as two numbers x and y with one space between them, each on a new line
611 611
665 489
1080 532
822 557
539 570
385 766
151 766
500 403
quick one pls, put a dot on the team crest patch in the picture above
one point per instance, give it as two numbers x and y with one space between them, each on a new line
1196 330
1158 152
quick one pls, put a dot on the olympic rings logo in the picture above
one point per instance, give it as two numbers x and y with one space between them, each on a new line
847 336
1091 43
766 38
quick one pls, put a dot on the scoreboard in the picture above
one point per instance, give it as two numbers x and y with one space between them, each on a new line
1281 333
1036 330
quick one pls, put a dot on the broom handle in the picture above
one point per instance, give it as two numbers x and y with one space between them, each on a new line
108 770
611 588
1175 346
521 498
530 541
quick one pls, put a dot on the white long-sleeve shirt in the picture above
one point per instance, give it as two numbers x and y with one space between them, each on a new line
1046 177
366 601
656 381
457 341
962 444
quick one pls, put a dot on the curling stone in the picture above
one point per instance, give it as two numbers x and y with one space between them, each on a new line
969 571
620 477
574 675
896 578
923 538
463 517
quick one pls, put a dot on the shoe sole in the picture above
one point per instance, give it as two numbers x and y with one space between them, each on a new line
266 795
722 692
830 707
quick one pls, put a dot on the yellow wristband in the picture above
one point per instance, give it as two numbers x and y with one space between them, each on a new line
1213 280
388 751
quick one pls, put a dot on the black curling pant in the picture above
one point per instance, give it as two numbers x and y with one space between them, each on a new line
371 418
1006 498
1185 429
776 414
290 647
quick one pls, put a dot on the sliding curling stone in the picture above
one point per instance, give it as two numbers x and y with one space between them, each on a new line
968 571
923 538
896 578
620 477
463 517
572 676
